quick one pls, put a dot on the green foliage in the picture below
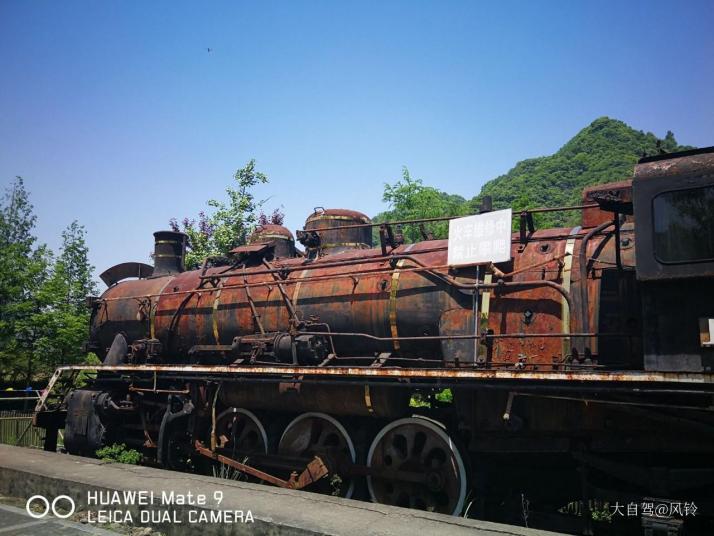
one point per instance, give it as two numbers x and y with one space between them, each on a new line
61 324
604 151
43 321
418 400
422 400
445 396
85 376
23 269
230 222
119 453
409 199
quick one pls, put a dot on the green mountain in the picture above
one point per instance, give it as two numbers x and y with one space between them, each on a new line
604 151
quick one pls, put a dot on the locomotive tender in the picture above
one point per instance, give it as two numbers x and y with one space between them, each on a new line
580 369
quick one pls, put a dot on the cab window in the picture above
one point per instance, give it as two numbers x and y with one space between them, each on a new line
684 225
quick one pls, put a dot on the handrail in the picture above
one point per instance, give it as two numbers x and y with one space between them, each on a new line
447 218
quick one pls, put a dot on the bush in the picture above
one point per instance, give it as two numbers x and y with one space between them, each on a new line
445 396
119 453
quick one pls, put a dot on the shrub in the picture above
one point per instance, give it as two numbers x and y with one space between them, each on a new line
119 453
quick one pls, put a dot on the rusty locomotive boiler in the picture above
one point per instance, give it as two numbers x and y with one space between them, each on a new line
586 357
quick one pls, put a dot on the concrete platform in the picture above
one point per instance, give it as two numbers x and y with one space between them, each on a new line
243 509
17 522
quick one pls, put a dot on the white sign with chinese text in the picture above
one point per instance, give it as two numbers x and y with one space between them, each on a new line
480 239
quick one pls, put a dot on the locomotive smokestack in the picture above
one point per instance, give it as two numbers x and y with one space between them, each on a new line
169 252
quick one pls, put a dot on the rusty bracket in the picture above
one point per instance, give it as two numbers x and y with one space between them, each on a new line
251 303
383 239
149 442
327 360
426 235
313 472
381 359
526 222
386 238
288 303
285 387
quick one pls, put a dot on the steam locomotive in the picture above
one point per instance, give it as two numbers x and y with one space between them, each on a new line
579 371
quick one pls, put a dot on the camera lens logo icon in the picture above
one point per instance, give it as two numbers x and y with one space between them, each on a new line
53 506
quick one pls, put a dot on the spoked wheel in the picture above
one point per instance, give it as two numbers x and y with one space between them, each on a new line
418 466
318 434
239 430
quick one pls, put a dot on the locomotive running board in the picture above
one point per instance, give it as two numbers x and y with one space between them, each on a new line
583 377
415 373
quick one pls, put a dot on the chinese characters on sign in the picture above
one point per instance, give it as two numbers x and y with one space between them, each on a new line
480 239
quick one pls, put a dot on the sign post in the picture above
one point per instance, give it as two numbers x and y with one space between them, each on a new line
483 238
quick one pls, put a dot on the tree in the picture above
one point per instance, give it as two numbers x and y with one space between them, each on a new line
43 320
73 267
23 269
604 151
61 324
409 199
230 223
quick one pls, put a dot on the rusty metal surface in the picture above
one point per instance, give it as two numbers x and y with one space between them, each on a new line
249 248
359 292
676 293
126 270
340 399
543 310
698 161
169 252
277 236
268 231
345 230
358 303
398 372
594 216
666 175
314 471
133 316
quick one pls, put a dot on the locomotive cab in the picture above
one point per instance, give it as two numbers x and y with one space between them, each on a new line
674 213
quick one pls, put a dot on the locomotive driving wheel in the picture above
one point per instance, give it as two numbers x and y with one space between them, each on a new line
318 434
239 430
417 465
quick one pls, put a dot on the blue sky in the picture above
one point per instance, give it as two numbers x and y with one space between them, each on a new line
116 114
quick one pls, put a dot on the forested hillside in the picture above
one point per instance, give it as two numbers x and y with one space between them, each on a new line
604 151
